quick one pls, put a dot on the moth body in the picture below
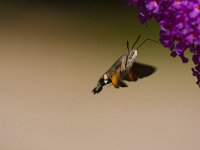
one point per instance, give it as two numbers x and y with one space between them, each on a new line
124 68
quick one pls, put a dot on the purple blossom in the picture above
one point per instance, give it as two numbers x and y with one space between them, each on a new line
179 22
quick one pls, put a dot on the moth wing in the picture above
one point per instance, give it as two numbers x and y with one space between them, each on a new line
139 70
115 66
117 81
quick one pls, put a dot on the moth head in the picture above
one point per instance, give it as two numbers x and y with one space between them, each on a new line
132 54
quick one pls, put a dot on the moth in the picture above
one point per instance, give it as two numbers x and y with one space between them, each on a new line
125 68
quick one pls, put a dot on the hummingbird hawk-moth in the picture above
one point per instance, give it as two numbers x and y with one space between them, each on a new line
125 68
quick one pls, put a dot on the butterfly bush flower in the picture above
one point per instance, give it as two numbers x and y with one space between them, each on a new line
179 22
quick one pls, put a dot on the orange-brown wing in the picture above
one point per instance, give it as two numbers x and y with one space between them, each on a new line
116 79
138 70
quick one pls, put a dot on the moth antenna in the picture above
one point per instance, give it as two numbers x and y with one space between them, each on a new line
136 41
127 44
126 61
146 41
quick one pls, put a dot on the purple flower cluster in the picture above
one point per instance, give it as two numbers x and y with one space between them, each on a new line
179 22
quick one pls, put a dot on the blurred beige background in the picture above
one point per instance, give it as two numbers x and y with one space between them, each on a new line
50 60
